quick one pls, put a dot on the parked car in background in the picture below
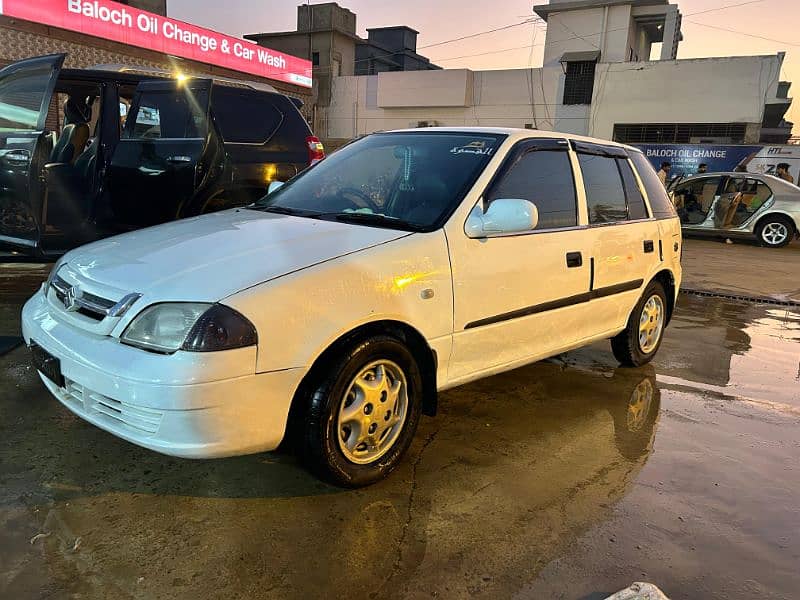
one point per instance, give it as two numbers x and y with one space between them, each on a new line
332 310
87 153
745 205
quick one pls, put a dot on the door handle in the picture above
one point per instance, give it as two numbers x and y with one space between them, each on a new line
179 159
649 246
574 259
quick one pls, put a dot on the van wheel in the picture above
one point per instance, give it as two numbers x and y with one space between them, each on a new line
775 231
639 342
362 412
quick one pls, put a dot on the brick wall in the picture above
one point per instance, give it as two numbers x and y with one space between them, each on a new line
20 40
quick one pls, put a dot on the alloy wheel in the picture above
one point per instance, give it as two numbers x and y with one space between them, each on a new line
372 412
775 233
651 324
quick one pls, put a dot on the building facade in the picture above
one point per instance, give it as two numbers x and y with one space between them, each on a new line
326 35
21 39
602 76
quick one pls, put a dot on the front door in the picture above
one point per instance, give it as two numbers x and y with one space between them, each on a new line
695 198
26 90
518 298
158 165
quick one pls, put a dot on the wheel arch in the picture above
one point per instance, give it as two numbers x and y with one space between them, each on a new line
424 355
785 216
667 279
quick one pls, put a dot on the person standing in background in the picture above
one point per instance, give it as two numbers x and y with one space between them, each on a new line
702 168
782 171
663 173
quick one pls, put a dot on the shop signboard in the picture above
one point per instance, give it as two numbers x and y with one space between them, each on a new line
686 158
127 25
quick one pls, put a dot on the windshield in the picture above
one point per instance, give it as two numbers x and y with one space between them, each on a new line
410 181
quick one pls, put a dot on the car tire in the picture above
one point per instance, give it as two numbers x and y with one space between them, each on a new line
639 342
775 231
347 433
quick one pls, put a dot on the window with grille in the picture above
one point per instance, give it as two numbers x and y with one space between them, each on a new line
579 83
676 133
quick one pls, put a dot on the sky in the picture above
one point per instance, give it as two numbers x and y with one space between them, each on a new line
521 46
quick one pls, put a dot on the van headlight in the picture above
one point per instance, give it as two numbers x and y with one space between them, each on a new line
190 326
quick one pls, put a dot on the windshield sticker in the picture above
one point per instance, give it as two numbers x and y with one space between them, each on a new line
476 147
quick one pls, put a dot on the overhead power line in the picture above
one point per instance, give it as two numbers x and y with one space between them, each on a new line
752 35
585 35
480 33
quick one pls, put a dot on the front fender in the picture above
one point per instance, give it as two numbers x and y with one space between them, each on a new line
298 316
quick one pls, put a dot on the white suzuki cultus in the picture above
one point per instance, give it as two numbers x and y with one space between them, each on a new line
332 311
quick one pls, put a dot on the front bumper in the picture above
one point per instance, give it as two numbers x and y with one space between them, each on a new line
187 404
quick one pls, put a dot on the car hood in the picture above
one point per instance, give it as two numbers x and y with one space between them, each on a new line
210 257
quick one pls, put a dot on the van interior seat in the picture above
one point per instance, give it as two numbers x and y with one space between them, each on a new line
75 135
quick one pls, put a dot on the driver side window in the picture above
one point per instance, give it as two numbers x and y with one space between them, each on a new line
544 177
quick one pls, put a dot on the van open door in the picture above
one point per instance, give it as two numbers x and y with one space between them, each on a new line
159 162
26 90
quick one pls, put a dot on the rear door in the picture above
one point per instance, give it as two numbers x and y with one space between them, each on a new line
26 90
157 166
265 139
625 239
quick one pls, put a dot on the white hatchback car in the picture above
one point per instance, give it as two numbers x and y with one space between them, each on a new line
333 310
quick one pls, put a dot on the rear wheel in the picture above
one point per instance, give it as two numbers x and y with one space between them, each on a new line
775 231
641 339
362 412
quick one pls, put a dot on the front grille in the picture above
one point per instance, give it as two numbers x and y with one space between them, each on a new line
136 418
89 305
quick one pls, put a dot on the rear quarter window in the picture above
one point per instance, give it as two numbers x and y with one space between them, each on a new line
660 203
245 116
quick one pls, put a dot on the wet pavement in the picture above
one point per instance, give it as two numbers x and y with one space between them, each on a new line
570 478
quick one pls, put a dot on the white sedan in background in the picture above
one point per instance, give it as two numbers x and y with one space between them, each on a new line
334 309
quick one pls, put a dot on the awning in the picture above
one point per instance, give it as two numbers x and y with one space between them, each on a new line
586 56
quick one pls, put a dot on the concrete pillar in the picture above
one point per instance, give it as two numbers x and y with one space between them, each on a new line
672 32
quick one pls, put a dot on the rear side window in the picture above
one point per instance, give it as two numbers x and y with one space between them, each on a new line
605 195
544 178
660 203
244 116
636 207
164 114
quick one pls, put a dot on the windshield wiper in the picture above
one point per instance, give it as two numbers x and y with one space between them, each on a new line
284 210
374 219
345 217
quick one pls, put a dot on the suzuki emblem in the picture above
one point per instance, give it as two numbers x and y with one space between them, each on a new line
71 297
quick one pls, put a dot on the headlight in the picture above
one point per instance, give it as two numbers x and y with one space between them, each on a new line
195 327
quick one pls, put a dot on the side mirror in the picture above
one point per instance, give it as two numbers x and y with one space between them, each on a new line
274 185
505 215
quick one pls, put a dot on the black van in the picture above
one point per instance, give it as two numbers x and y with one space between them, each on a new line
85 154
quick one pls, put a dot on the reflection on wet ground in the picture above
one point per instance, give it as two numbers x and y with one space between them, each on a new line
569 478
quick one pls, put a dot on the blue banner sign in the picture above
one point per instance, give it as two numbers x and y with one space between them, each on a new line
686 158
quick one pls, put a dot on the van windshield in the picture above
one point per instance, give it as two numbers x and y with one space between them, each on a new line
410 181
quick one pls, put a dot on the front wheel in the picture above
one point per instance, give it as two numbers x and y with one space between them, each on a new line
775 231
362 412
639 342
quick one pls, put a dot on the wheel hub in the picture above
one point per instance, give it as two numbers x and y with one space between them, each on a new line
372 412
775 233
651 324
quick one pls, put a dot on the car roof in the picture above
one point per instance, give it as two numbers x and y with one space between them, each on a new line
518 133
